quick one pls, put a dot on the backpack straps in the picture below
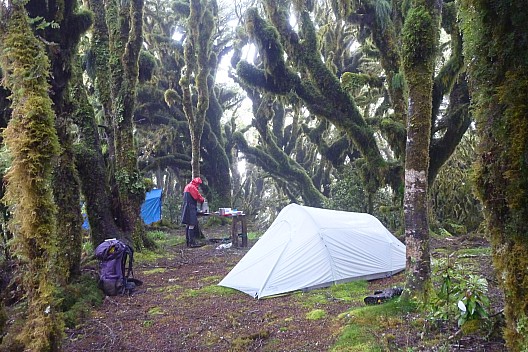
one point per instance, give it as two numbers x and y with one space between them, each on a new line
129 252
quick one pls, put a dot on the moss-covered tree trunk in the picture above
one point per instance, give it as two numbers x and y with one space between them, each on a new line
100 48
197 52
125 27
33 144
420 38
62 49
91 167
217 161
94 172
496 52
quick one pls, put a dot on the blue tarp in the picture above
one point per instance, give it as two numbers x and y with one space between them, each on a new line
150 209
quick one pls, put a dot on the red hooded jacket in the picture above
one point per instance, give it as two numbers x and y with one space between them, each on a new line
192 188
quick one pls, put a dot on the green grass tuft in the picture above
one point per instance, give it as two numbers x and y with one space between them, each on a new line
316 314
474 252
365 325
154 271
156 311
350 291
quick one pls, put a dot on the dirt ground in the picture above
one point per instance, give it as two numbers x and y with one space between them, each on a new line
177 309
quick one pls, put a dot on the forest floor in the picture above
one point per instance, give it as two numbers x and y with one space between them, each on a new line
180 308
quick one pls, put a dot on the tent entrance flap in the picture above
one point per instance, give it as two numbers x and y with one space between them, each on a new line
307 248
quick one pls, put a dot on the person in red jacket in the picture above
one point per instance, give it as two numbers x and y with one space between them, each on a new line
191 198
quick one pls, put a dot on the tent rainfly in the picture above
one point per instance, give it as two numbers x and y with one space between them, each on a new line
307 248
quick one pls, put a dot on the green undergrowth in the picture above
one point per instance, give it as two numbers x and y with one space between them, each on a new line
214 221
254 235
153 271
213 290
79 299
348 292
165 289
156 311
212 279
163 240
475 252
365 327
316 314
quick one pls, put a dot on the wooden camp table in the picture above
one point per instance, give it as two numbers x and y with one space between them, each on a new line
238 221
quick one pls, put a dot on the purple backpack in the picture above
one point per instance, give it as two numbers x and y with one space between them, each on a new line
113 256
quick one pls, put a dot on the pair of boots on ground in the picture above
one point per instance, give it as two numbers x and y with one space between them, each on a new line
191 237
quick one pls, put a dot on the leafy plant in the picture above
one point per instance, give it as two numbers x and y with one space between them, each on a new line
474 302
460 296
442 305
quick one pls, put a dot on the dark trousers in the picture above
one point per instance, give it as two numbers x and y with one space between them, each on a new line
191 235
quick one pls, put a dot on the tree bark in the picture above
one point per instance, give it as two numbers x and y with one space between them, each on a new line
420 41
62 51
91 167
197 51
94 171
125 22
498 68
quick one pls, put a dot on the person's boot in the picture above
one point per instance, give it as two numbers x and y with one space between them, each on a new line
188 237
193 243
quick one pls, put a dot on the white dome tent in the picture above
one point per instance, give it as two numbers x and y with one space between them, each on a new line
307 248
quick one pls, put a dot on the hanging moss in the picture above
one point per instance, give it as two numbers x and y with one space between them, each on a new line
383 9
513 95
99 51
73 23
353 81
172 97
3 320
343 8
268 38
398 81
147 65
76 24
